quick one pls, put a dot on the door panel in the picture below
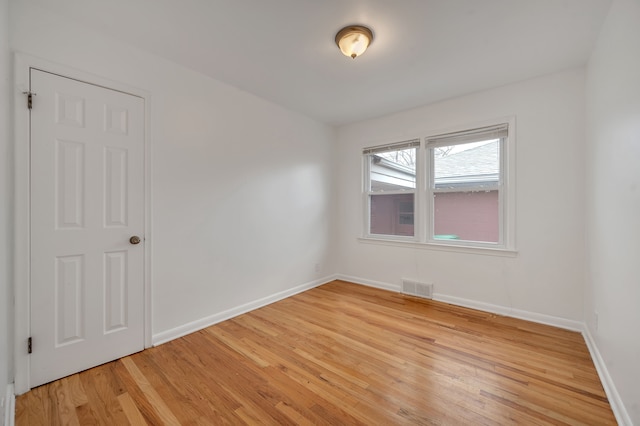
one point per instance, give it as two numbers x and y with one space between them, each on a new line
87 200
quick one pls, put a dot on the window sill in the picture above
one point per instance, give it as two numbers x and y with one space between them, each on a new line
486 251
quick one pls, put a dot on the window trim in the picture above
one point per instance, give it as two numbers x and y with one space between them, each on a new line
489 251
423 216
367 193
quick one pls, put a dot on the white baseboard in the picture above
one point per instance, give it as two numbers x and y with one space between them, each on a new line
619 410
481 306
559 322
369 283
183 330
9 406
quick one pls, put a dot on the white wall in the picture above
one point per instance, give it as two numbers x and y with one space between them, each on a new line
240 187
613 202
547 276
6 188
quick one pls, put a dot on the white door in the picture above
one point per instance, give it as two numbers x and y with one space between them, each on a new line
87 202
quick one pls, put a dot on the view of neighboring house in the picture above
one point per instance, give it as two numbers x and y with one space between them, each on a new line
392 211
466 196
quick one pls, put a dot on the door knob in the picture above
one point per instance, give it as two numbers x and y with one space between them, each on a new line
134 240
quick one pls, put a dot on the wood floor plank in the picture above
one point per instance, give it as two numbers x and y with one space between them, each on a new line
131 410
151 393
74 390
86 416
64 401
38 411
205 390
142 402
287 381
98 385
341 354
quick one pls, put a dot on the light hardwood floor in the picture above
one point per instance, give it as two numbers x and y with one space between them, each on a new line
340 354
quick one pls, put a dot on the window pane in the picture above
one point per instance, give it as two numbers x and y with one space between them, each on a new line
392 214
474 164
469 215
393 170
466 181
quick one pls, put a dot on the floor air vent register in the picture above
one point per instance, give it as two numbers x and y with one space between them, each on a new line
418 289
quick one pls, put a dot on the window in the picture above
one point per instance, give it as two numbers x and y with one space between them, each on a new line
462 195
466 185
391 189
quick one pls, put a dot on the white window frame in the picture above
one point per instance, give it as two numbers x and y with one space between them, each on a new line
498 131
423 197
367 193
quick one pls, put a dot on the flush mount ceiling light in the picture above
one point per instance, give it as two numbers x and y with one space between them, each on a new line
354 40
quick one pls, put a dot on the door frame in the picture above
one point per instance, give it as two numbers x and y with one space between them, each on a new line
23 64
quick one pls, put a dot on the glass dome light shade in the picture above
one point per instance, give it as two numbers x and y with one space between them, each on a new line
354 40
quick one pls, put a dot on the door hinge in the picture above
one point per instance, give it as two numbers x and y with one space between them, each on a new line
29 345
30 96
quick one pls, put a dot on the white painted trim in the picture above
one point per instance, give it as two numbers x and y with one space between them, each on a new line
559 322
370 283
21 225
397 242
9 406
22 64
622 416
148 225
183 330
481 306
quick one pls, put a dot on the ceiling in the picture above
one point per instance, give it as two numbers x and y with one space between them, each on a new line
423 51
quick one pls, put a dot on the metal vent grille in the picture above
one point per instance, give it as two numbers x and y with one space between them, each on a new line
415 288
